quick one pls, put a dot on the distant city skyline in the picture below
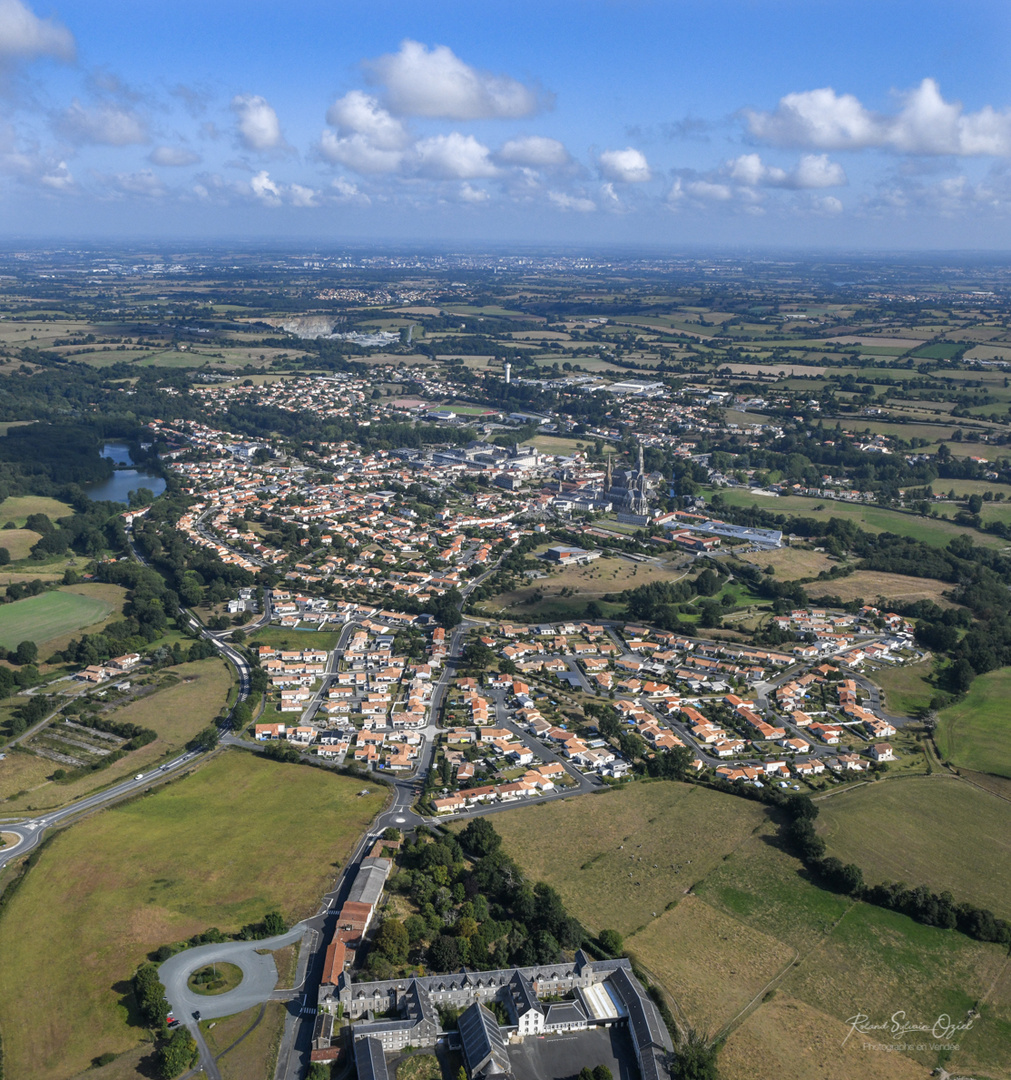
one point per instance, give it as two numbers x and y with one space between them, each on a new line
772 123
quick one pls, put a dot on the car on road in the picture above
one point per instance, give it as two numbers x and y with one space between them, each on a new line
139 776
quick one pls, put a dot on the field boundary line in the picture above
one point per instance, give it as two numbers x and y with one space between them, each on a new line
252 1027
798 959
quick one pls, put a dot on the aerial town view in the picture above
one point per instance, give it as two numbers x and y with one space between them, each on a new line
505 541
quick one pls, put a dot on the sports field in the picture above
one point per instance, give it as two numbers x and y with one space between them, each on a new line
214 849
52 614
558 444
976 732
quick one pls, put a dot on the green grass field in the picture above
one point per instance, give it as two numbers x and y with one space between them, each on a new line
582 584
18 507
870 585
944 833
256 1056
190 697
755 948
853 957
214 849
18 542
975 733
50 615
874 519
621 835
791 563
906 687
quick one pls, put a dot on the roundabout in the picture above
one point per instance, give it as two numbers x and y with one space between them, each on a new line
13 842
256 978
214 979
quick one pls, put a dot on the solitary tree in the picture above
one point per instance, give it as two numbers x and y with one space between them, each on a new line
611 941
27 653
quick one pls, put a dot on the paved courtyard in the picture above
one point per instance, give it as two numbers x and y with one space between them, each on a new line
560 1057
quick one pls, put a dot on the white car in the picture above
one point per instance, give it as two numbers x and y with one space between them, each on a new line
139 776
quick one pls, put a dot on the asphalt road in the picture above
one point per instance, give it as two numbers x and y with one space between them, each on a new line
259 976
30 831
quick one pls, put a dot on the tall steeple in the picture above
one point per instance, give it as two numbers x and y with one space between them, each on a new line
642 467
610 478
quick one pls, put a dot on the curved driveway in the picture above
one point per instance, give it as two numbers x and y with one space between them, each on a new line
259 976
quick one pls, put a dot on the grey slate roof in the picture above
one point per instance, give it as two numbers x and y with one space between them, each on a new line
370 1060
483 1046
649 1032
565 1012
521 991
367 886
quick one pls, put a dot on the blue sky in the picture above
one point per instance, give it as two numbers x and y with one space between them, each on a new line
687 122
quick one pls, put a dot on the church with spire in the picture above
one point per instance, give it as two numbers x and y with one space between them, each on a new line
629 490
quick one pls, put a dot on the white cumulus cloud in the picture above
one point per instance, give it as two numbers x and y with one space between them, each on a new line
360 113
924 124
535 151
927 124
357 153
368 139
258 126
346 191
302 196
812 171
698 190
579 203
265 189
173 156
435 82
819 118
452 157
106 124
471 194
23 35
828 204
628 166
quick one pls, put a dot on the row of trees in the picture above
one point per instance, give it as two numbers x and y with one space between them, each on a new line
920 903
